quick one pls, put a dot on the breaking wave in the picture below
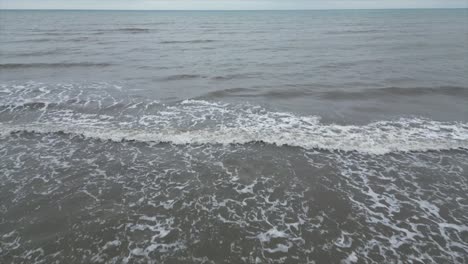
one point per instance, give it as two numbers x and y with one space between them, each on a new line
201 122
100 111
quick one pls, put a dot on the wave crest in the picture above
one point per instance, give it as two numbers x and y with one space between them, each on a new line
201 122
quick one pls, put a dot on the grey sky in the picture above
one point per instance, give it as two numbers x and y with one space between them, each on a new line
228 4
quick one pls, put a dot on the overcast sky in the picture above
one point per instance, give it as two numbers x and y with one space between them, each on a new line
228 4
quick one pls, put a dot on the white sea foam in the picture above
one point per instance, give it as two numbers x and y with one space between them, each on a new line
187 126
203 122
374 141
352 258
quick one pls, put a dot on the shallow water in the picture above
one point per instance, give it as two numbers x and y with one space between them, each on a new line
234 137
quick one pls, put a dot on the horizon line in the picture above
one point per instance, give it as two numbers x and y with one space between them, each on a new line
317 9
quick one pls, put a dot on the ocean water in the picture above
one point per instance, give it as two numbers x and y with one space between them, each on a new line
234 137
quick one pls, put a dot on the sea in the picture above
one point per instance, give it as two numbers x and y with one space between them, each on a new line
336 136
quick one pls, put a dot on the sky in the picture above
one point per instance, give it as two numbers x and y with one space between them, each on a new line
228 4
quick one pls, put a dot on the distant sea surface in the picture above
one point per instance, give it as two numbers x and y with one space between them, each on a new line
234 136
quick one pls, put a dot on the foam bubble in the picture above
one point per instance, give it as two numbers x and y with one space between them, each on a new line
96 111
381 137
